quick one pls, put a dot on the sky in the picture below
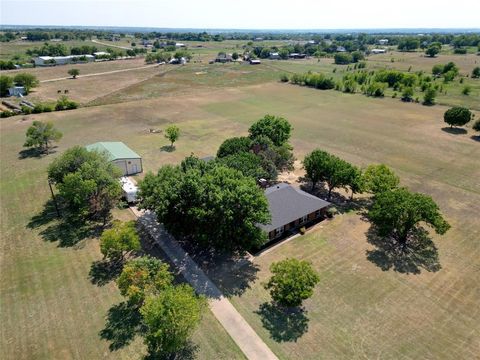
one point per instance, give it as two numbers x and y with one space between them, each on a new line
244 14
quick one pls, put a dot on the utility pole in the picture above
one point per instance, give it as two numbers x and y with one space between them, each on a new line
54 198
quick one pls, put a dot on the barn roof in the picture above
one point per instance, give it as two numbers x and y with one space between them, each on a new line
287 204
115 150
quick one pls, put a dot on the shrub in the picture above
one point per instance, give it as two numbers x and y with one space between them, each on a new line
303 230
376 89
461 51
466 90
476 72
457 116
284 78
343 59
429 96
332 211
6 113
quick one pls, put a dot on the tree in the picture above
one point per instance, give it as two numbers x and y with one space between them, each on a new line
476 125
476 72
276 128
40 135
343 59
396 213
292 282
234 145
235 56
247 163
407 94
170 319
322 166
429 96
380 178
457 116
26 80
142 277
119 241
6 82
172 133
87 183
216 207
73 73
433 49
437 69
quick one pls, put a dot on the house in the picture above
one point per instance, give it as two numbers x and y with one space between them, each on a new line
17 91
274 56
223 58
378 51
255 62
383 41
341 49
297 56
180 45
176 61
121 155
291 208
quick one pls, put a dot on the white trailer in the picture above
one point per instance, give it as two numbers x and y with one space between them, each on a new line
130 190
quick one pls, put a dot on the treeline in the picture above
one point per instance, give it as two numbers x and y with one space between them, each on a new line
375 83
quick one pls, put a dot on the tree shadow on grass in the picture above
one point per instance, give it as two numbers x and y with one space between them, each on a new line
454 130
475 137
284 325
68 231
104 271
124 322
167 148
188 352
421 253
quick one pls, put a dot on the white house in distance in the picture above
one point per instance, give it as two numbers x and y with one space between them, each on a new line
378 51
121 155
383 42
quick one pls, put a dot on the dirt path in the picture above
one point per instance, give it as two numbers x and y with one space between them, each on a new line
100 73
110 45
241 332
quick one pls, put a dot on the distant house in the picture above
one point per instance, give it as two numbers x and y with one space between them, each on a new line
255 62
378 51
274 56
178 61
297 56
121 155
383 41
341 49
17 91
291 208
223 58
180 45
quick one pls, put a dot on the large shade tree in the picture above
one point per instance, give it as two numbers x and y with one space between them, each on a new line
40 135
214 206
87 183
142 277
397 213
457 116
380 178
292 282
276 128
170 319
119 241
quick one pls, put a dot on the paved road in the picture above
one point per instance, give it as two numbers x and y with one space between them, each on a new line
241 332
100 73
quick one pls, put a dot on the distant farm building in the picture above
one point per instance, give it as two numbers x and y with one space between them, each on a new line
274 56
378 51
255 62
180 45
341 49
127 160
223 58
62 60
17 91
290 209
383 41
297 56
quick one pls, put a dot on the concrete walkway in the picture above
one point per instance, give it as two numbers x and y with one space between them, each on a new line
241 332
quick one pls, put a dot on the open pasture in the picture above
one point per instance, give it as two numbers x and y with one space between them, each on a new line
50 306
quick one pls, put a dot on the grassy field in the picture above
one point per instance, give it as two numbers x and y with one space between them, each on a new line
49 307
48 304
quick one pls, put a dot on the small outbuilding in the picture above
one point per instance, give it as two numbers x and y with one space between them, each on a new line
121 155
17 91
